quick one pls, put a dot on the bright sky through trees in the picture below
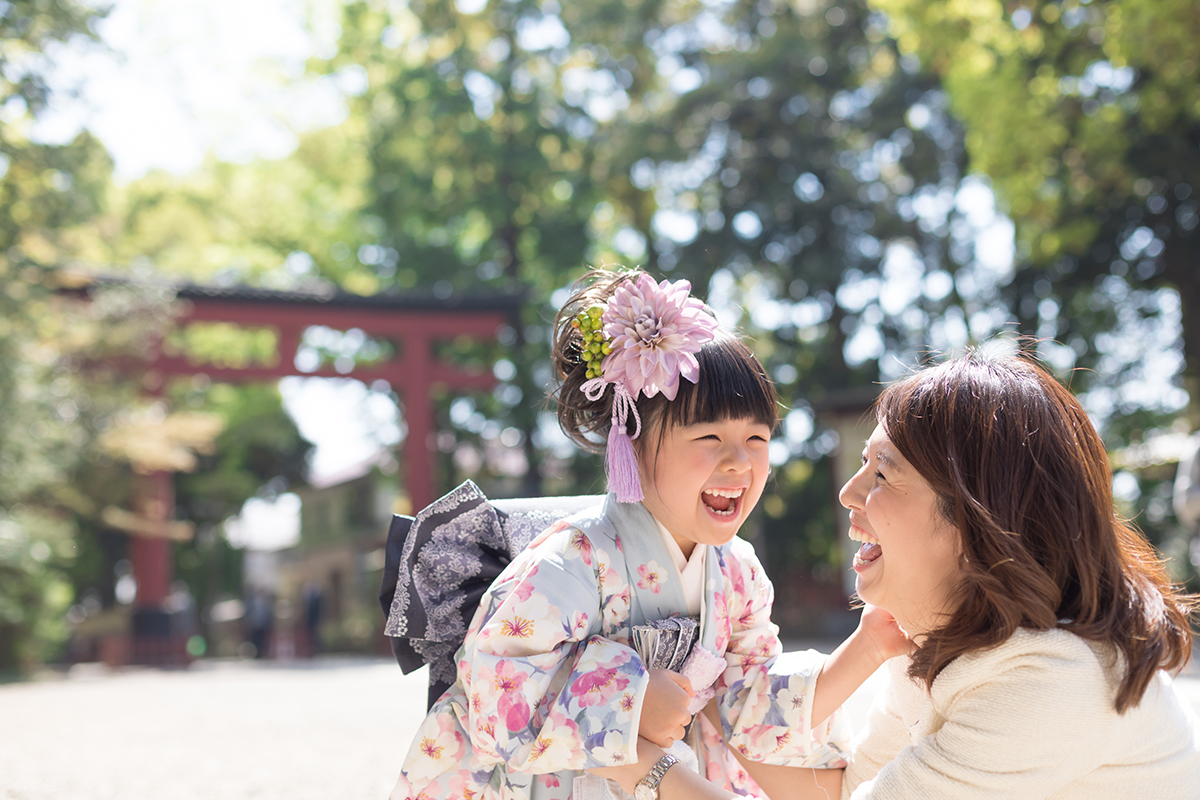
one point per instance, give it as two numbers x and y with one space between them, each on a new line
177 80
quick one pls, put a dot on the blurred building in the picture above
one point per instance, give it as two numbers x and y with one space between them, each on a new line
328 584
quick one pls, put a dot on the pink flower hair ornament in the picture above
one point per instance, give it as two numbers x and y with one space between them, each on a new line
647 336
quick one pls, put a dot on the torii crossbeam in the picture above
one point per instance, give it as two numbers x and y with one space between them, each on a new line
414 321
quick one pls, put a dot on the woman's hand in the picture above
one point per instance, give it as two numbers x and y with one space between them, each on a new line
665 708
884 634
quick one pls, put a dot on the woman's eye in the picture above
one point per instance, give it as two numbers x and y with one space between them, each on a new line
880 475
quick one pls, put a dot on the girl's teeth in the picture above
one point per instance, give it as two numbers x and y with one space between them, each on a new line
730 495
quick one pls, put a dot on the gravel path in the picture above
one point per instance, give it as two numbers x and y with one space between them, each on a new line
331 729
325 730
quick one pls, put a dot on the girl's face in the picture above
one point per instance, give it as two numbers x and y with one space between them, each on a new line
909 561
703 480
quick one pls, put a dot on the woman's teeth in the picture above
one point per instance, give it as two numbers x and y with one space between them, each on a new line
869 552
870 549
859 535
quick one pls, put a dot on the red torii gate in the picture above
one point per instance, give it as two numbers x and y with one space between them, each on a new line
414 321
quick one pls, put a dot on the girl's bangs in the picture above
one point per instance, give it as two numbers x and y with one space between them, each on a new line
732 385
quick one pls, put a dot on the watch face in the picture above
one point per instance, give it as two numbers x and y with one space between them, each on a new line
644 792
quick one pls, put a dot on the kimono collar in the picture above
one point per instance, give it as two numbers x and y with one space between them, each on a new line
631 530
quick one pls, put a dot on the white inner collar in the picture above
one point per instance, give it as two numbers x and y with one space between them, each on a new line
691 570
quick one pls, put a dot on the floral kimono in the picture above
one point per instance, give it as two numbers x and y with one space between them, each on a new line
548 684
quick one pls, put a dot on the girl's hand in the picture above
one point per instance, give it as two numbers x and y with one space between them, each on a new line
885 634
877 638
665 707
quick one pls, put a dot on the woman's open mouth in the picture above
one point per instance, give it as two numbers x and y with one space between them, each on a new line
722 502
870 549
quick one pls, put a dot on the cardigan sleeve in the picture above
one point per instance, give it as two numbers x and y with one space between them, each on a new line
1021 726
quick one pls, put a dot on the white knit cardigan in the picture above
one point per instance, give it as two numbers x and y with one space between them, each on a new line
1031 718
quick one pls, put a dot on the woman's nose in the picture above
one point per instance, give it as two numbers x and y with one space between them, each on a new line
850 496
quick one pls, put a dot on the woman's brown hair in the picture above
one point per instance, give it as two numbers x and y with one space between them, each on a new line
733 384
1021 473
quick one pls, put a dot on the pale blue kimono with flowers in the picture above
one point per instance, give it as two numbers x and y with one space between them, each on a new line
548 685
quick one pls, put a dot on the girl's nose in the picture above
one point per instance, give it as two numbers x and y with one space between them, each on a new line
737 459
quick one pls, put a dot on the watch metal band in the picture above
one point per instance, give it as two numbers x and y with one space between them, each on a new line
656 773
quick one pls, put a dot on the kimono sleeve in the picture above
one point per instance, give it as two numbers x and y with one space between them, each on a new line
765 703
544 692
886 733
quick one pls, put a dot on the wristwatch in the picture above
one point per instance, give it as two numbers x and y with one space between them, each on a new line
647 787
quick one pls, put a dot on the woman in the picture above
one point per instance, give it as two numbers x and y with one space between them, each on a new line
1043 628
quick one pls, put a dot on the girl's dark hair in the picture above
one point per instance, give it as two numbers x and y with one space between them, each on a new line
1023 476
732 383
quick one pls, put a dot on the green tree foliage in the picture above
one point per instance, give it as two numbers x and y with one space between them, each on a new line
790 179
782 156
480 175
1086 118
43 190
805 175
273 223
57 377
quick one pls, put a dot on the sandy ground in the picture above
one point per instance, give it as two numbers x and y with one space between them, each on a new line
331 729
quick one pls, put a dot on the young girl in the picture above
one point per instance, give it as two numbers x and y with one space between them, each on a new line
548 684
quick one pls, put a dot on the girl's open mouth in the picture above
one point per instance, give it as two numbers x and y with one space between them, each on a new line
722 502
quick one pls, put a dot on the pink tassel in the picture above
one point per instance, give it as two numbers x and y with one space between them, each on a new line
622 467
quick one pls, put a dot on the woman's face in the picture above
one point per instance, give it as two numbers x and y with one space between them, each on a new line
909 561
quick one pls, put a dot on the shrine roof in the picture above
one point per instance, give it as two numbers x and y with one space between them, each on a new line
323 295
490 299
